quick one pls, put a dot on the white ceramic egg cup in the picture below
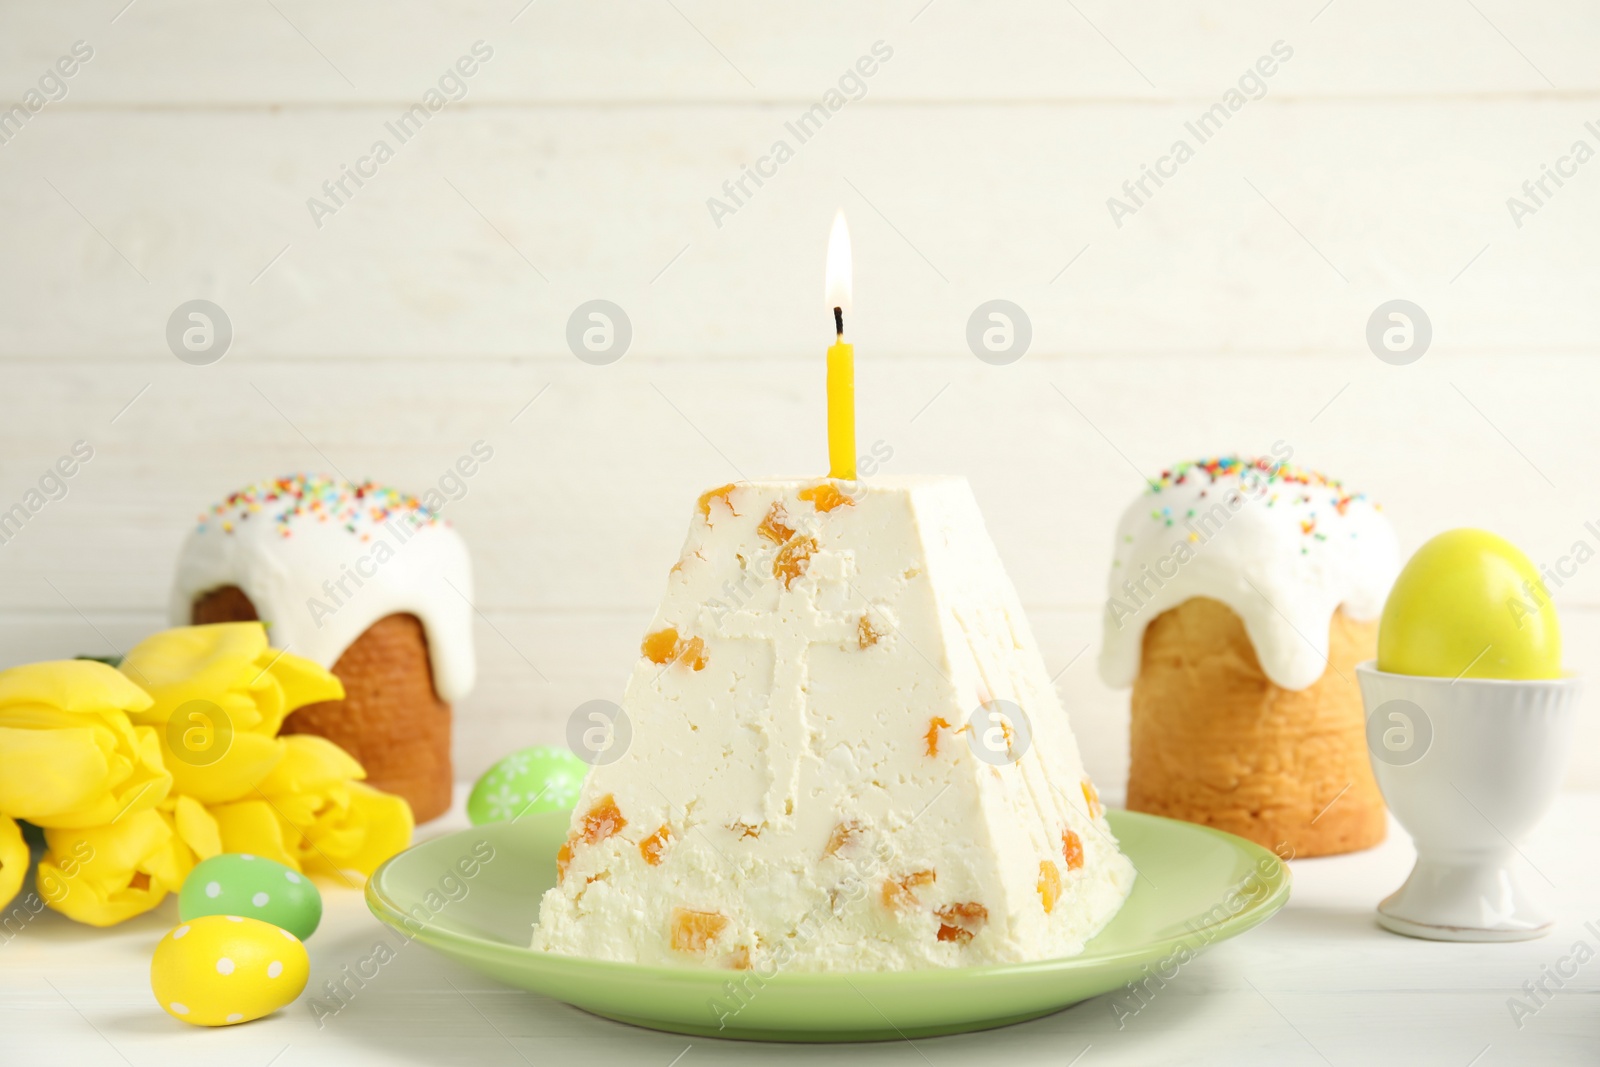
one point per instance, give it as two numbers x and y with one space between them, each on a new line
1468 767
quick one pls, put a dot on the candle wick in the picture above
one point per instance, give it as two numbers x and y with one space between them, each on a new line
838 323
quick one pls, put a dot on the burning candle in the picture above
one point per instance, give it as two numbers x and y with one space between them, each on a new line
841 358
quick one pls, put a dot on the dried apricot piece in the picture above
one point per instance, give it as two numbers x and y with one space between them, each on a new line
841 836
825 496
719 493
935 724
958 922
603 820
1049 885
968 913
1091 797
693 931
775 527
867 632
692 654
661 646
745 829
665 646
654 847
739 958
902 893
793 559
1072 850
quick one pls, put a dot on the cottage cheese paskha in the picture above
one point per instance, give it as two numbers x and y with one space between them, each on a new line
846 754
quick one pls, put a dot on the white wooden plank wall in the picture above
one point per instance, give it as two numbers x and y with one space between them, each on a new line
1227 313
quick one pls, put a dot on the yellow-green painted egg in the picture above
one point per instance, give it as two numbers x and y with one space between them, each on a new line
218 970
1469 604
236 883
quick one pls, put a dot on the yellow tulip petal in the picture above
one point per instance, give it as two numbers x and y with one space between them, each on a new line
225 672
193 663
109 852
241 710
249 759
69 756
376 825
389 825
106 874
46 772
96 907
305 682
300 809
151 771
13 859
196 826
337 836
169 865
286 682
309 763
266 695
254 826
73 685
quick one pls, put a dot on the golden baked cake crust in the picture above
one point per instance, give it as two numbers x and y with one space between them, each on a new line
1214 741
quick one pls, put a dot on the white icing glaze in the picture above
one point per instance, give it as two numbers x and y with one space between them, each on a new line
319 574
1284 548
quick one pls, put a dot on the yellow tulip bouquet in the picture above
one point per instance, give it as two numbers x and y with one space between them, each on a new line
135 773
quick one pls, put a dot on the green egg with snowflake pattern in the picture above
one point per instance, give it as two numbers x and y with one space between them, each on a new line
541 778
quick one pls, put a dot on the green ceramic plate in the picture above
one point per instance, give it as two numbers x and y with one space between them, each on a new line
1197 886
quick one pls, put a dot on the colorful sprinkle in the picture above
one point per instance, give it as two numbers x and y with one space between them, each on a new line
304 497
1311 489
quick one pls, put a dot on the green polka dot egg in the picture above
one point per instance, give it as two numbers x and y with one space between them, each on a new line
236 883
218 970
541 778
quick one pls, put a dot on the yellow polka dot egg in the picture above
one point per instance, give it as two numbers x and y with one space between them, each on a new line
223 969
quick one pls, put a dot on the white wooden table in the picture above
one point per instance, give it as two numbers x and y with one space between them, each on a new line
1319 983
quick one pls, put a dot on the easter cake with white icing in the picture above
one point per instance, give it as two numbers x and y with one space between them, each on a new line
368 582
1242 593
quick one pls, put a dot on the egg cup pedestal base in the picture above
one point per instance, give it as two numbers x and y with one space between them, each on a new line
1465 898
1468 766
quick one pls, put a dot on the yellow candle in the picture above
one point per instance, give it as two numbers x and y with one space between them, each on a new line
842 411
841 358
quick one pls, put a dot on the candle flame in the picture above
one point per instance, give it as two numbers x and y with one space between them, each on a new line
838 279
